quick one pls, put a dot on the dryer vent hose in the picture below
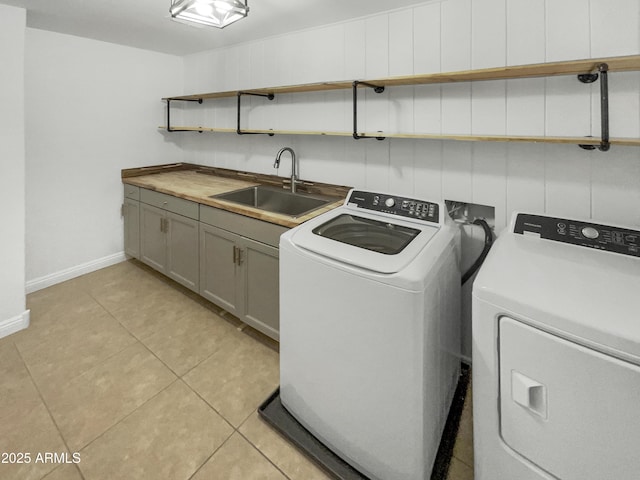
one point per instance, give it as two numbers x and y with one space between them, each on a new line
488 241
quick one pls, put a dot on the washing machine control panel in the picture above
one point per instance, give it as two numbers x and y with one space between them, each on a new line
592 235
405 207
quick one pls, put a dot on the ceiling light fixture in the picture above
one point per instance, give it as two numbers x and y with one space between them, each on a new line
213 13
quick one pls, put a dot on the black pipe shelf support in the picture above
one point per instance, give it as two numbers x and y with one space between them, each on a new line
269 96
377 89
603 70
169 129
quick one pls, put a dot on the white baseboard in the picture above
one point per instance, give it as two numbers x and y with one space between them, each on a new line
15 324
73 272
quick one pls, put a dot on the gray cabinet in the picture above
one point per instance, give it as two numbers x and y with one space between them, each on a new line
238 273
220 270
169 240
229 259
183 259
260 283
131 216
153 241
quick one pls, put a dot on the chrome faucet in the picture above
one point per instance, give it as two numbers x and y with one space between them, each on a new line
294 169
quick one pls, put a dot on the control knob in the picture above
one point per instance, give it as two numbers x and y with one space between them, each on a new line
389 202
590 232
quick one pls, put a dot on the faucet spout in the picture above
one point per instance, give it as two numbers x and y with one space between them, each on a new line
294 169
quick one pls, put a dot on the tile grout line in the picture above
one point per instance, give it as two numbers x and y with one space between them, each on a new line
130 414
31 326
44 404
141 340
178 376
260 451
463 461
87 291
211 456
217 311
235 430
136 408
222 344
146 347
207 403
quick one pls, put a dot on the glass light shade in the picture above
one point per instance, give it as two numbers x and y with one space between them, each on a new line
213 13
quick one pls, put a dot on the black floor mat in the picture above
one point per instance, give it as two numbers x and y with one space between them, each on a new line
274 413
448 440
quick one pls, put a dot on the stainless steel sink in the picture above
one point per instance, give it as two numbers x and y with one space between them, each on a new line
275 200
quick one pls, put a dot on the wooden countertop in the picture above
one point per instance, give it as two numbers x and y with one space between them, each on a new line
198 183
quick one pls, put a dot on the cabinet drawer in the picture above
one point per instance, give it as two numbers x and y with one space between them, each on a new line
170 203
132 192
264 232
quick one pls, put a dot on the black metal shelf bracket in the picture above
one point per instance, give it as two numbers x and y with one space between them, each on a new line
603 68
377 89
169 128
269 96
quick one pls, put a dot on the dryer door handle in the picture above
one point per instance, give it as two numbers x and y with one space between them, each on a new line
529 393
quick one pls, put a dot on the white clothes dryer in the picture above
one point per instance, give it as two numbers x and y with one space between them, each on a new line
556 353
370 330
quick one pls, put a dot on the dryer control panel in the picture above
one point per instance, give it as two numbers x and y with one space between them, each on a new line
405 207
585 234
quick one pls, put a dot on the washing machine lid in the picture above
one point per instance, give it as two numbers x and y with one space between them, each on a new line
579 287
375 235
364 239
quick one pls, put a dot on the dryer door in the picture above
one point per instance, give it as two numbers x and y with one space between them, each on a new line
568 409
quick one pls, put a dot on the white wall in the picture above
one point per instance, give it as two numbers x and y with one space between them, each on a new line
13 314
445 35
92 108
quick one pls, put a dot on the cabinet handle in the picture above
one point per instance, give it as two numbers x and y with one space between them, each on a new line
166 225
234 254
240 256
122 207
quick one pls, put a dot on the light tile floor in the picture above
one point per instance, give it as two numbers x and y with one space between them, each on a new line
145 380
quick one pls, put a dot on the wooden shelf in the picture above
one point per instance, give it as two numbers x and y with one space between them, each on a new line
301 132
509 138
629 142
260 131
575 67
304 88
198 129
616 64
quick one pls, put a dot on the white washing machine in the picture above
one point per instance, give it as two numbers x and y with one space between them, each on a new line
556 353
370 330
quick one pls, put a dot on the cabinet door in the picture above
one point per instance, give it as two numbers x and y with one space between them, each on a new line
182 250
218 267
153 240
131 213
260 285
